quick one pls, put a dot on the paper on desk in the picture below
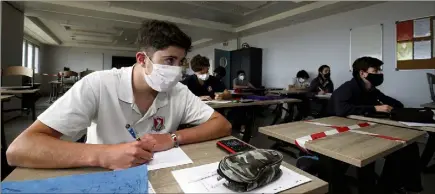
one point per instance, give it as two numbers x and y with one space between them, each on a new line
169 158
150 188
217 101
412 124
324 95
188 179
132 180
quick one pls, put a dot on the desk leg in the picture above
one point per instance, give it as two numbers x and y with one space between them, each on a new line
333 172
366 178
4 145
249 125
278 113
428 151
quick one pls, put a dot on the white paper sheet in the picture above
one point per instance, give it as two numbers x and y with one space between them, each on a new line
169 158
324 95
188 179
150 188
412 124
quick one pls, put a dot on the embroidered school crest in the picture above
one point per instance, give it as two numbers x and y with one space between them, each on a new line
159 123
209 89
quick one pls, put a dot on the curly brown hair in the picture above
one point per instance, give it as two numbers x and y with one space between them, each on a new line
157 35
198 63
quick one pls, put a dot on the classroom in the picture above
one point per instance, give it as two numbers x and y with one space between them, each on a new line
217 96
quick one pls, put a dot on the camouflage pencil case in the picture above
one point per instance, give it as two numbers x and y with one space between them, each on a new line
245 171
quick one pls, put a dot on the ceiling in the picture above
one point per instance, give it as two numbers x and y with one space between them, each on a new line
114 24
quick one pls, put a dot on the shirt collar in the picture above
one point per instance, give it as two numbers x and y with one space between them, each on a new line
125 90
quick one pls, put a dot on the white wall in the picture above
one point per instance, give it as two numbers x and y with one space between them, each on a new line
209 52
326 41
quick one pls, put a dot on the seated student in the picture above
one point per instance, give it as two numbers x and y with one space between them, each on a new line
240 82
220 73
322 83
360 96
301 79
201 83
146 96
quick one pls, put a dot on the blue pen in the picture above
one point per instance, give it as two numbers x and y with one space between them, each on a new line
132 132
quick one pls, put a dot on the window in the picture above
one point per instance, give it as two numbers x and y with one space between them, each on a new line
30 56
415 44
36 65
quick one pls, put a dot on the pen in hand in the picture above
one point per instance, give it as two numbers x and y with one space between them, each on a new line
132 132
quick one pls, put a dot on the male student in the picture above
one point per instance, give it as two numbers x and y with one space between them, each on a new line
240 81
146 96
359 96
201 83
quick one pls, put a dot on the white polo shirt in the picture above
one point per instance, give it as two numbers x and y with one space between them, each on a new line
102 103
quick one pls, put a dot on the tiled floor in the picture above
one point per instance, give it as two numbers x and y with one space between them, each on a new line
14 127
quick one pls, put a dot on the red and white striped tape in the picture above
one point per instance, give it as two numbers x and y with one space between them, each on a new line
300 142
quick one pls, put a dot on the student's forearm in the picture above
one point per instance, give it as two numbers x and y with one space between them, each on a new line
214 128
37 150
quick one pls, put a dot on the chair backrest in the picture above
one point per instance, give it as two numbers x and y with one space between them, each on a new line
85 73
18 70
29 74
431 82
68 74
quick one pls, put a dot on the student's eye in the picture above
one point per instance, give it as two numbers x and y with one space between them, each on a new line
169 61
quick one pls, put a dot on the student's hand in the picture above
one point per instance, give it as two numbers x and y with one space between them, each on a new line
126 155
383 108
219 96
321 92
205 98
163 141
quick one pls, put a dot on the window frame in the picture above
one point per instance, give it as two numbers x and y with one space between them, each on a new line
417 64
25 56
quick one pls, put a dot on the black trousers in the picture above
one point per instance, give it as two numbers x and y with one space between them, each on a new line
428 151
401 169
303 107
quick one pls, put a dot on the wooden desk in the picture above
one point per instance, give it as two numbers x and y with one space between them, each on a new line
430 105
389 122
29 94
287 92
27 91
254 103
249 109
15 87
6 97
162 179
352 148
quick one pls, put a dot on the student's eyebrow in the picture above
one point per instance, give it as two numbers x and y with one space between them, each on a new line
170 56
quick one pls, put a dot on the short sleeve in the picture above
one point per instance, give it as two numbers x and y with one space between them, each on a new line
74 111
196 111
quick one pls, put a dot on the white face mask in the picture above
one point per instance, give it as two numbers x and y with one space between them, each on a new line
163 77
301 80
203 77
241 77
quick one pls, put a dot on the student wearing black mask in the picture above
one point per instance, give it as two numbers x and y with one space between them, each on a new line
322 83
359 96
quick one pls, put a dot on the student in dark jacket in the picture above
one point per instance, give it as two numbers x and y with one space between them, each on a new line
201 83
322 84
359 96
220 73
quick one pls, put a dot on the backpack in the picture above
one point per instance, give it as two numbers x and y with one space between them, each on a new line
418 115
